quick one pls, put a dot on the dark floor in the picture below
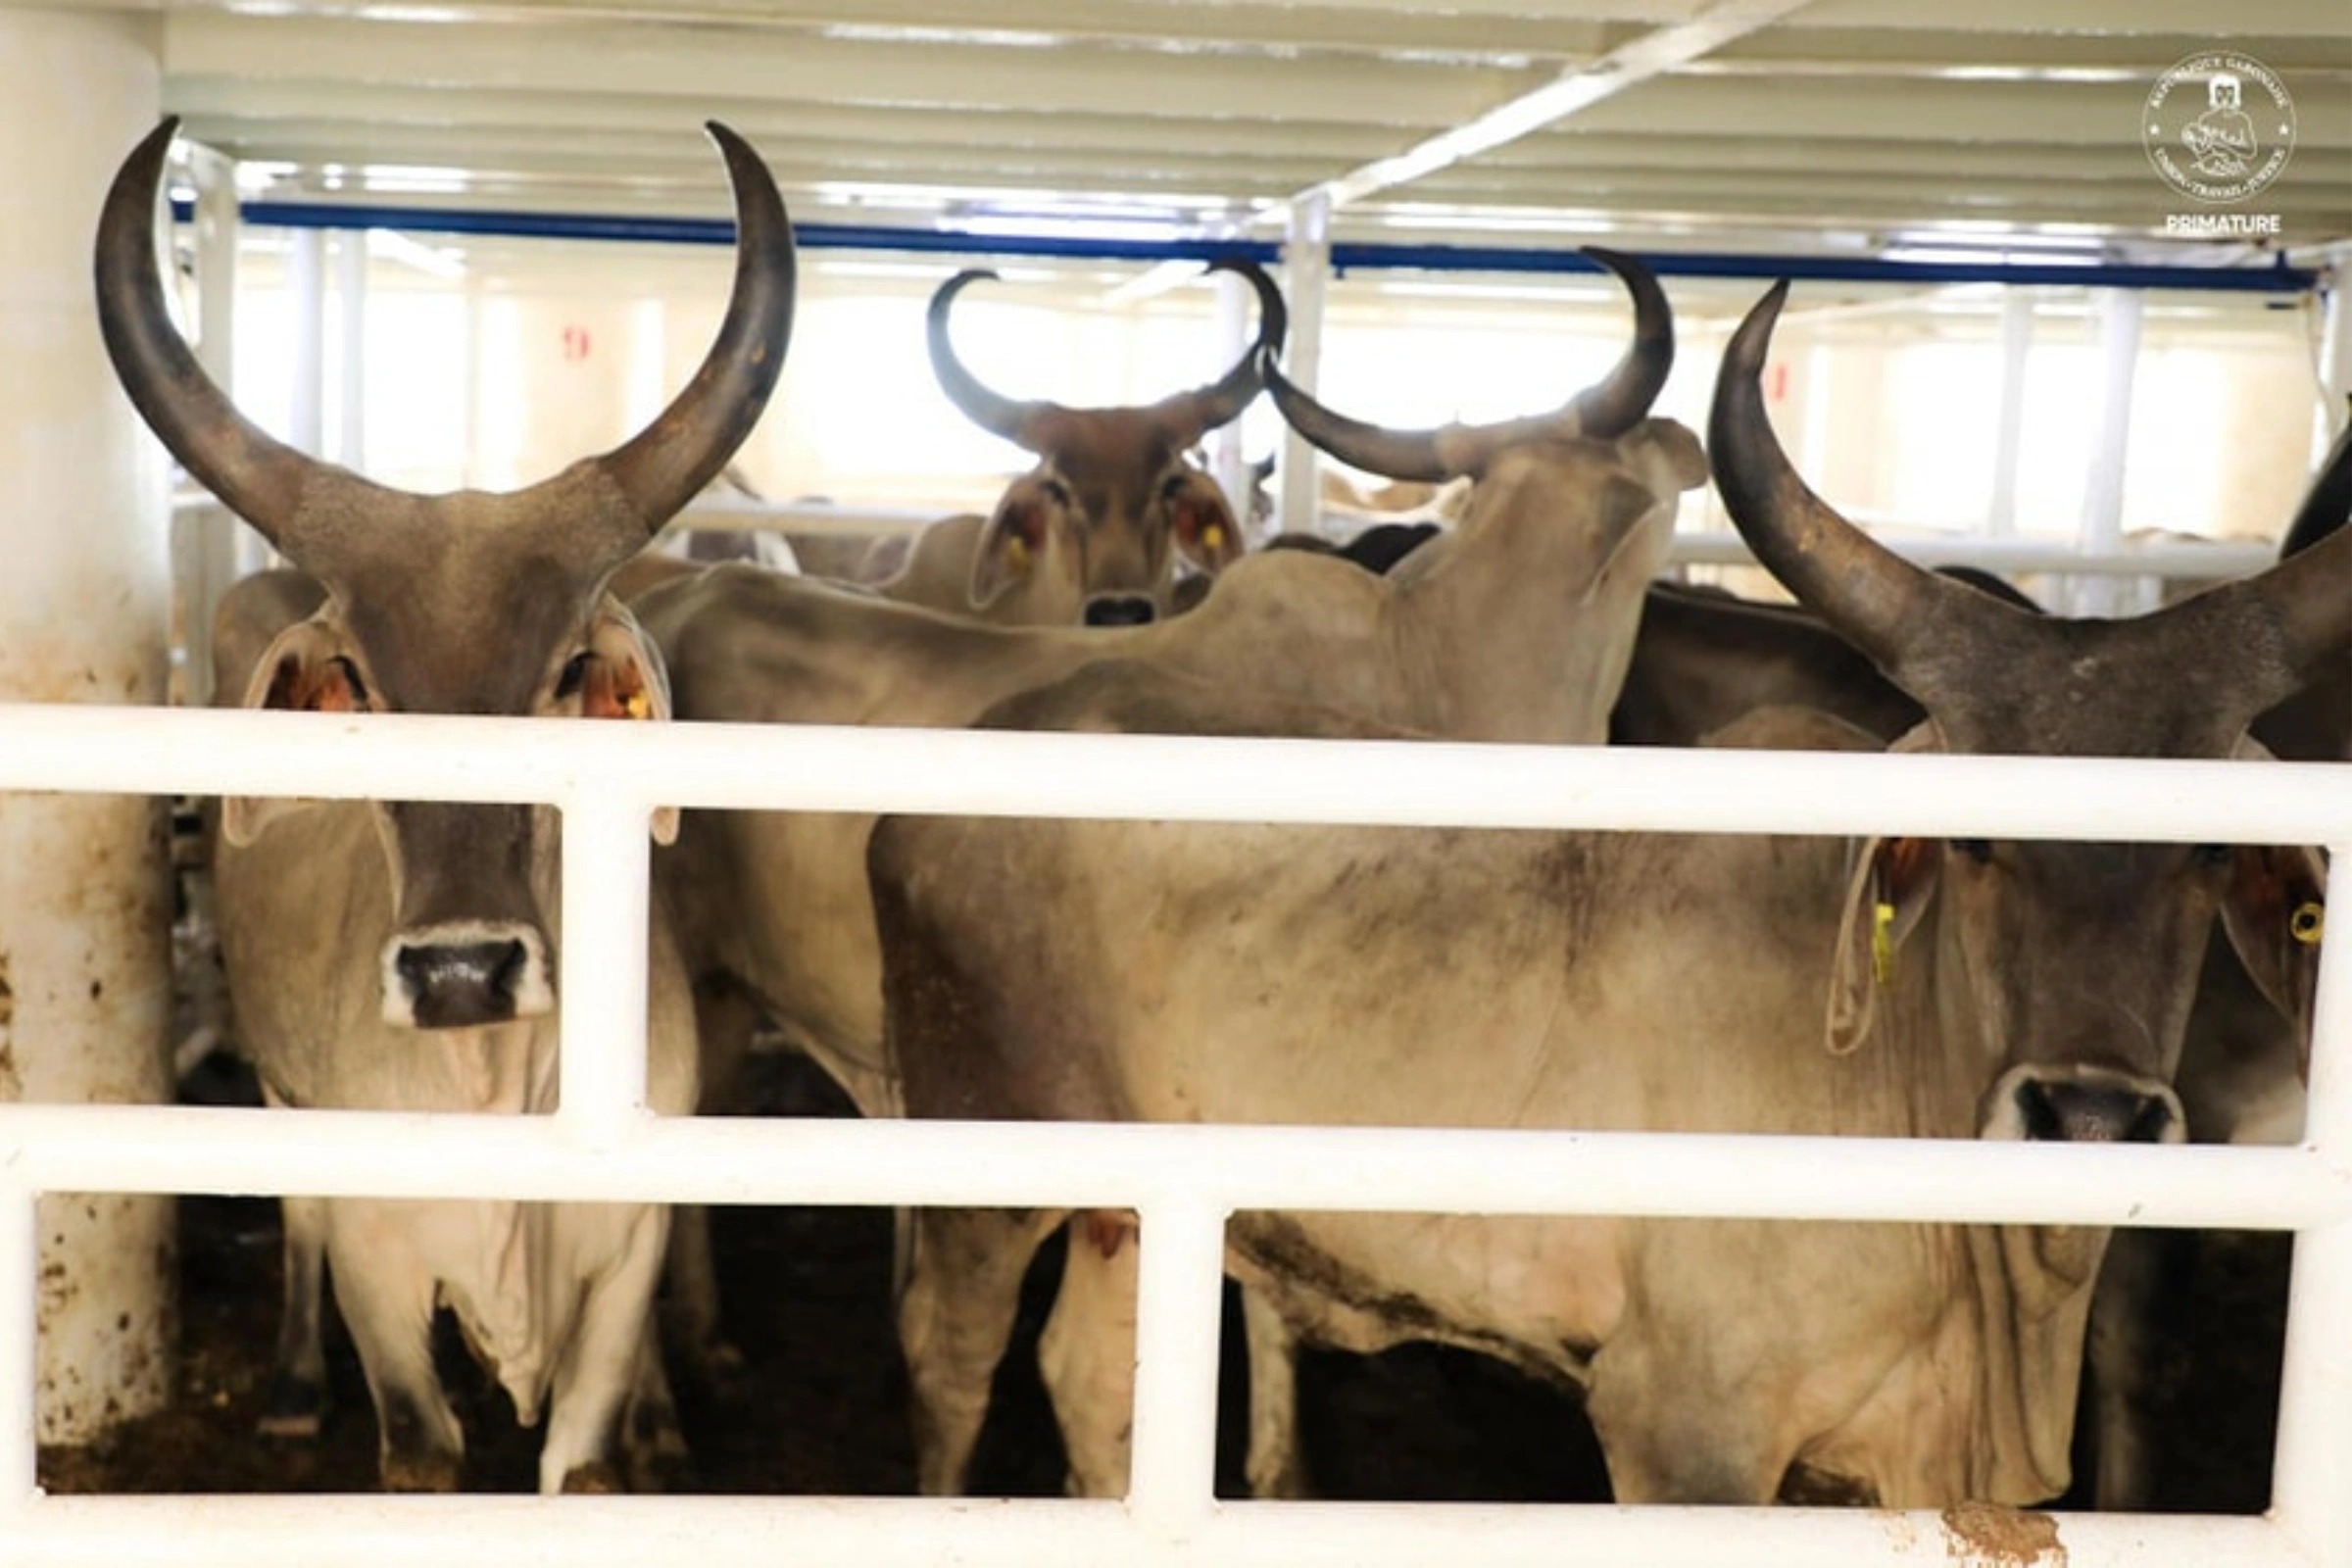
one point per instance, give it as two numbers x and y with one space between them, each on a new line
822 1403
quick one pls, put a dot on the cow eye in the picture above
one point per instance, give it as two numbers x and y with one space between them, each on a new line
351 679
1976 850
1056 491
1172 488
2213 854
575 677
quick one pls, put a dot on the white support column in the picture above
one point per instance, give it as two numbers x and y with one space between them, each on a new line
1228 463
1173 1488
2017 341
351 337
2335 358
2103 491
305 282
209 547
84 881
1306 270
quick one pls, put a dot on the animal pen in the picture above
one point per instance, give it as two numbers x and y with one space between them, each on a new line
1184 1181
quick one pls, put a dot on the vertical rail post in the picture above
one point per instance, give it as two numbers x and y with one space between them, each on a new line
1306 272
2017 343
306 280
351 335
1173 1485
2312 1492
2102 528
602 988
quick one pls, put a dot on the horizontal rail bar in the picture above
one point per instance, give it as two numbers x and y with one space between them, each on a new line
196 1149
1171 778
2274 277
356 1532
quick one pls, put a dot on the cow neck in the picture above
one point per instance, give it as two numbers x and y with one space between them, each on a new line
1529 627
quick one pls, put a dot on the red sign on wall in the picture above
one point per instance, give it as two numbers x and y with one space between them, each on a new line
575 344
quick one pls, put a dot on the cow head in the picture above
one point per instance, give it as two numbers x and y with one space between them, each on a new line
2071 965
468 603
1089 532
1601 443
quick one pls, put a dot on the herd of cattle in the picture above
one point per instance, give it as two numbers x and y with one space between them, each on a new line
402 955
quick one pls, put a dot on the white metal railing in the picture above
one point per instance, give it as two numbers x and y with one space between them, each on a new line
1184 1181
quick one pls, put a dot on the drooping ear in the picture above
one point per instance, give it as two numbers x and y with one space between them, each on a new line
623 677
1202 522
1887 892
1673 445
2276 912
302 671
1012 544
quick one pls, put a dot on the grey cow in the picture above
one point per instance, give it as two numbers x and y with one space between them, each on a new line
402 955
2028 989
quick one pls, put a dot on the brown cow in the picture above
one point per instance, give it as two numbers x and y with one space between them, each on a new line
1093 532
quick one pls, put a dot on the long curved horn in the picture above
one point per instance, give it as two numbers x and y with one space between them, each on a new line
2329 501
1192 414
1606 409
258 476
1016 422
666 465
1874 597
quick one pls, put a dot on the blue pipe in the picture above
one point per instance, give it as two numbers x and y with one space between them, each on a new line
2276 278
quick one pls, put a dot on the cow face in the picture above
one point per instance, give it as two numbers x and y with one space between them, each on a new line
1092 533
469 602
470 943
2067 968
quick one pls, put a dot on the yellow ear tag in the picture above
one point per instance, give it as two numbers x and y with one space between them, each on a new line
2307 922
1882 943
1212 538
636 705
1016 553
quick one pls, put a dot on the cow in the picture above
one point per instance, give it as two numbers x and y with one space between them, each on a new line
402 955
1518 632
1093 532
1905 986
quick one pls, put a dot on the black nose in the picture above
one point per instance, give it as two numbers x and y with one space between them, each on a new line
458 985
2062 1112
1121 609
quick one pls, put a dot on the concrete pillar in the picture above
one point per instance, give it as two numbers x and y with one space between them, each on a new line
2119 314
84 881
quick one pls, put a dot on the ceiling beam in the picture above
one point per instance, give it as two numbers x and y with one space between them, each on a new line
1653 54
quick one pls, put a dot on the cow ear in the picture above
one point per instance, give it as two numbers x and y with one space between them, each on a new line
1203 524
2275 911
303 670
1885 892
1684 459
1011 545
623 677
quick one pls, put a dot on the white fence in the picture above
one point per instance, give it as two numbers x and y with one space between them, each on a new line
1184 1180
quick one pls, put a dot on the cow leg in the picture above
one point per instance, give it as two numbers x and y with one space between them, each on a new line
1676 1429
387 1300
2141 1280
602 1366
963 1288
1275 1467
652 1440
1087 1353
692 1277
296 1403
